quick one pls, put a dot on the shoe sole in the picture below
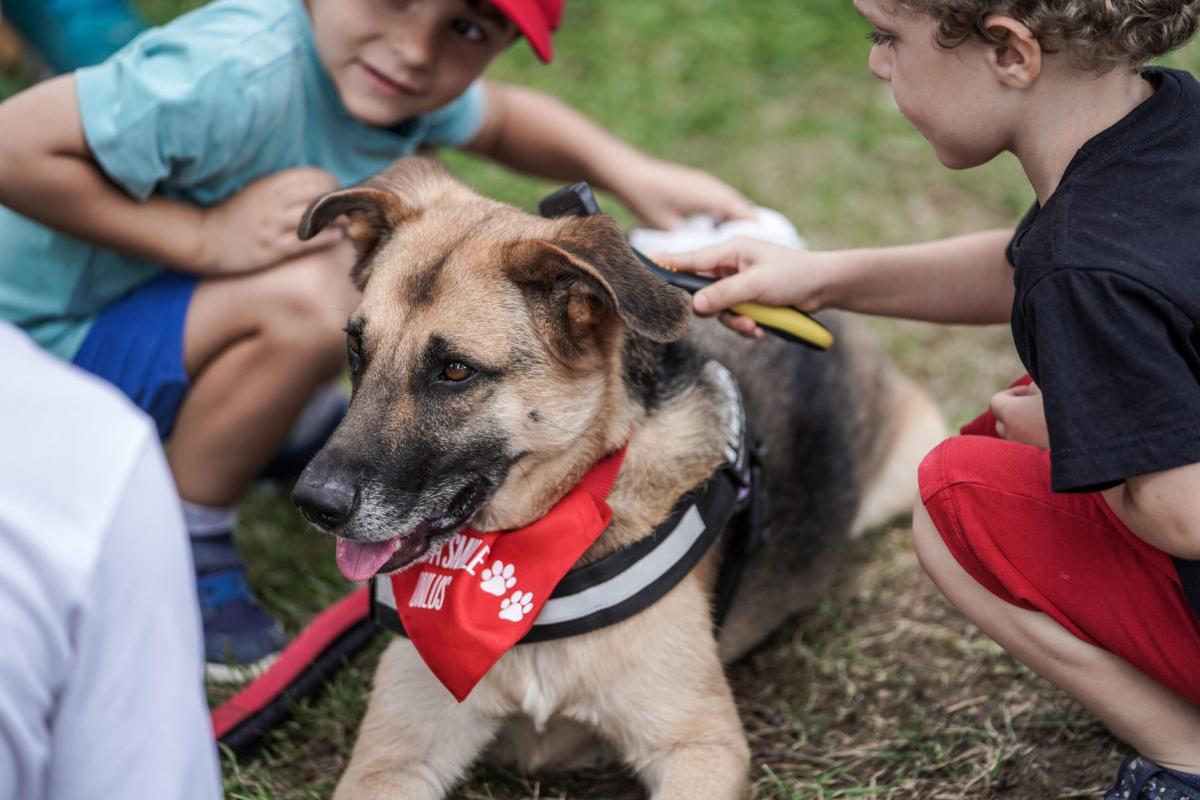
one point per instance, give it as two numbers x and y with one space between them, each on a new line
238 673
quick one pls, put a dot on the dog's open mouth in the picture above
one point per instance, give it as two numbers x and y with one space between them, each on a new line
360 561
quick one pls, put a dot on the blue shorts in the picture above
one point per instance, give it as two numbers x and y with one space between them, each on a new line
136 344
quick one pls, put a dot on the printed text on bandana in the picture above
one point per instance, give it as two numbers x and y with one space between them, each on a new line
460 552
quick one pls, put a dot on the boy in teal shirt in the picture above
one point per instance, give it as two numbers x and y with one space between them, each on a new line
153 200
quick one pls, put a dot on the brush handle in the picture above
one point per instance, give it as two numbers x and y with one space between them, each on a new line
785 322
788 323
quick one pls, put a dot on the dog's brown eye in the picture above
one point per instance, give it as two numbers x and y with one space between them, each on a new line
354 352
456 372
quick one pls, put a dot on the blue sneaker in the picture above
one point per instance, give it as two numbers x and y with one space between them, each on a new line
1141 779
240 639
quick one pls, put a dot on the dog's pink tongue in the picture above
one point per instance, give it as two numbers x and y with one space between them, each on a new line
359 561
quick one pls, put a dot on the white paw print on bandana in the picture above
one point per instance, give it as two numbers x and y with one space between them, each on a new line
498 579
516 607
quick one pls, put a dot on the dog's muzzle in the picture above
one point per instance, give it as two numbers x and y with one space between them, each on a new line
327 501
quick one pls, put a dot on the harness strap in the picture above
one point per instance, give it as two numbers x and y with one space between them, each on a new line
640 576
749 531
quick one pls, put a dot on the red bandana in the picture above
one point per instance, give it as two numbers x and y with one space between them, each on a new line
468 601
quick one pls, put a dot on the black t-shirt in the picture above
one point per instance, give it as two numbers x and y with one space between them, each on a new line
1107 299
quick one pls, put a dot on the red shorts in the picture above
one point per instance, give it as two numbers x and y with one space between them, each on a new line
1065 555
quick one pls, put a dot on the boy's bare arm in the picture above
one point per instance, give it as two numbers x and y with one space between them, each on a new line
1162 508
962 280
966 279
534 133
48 173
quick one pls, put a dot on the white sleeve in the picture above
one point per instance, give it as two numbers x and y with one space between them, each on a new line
133 721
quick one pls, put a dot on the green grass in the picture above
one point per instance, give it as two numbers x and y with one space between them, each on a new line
883 691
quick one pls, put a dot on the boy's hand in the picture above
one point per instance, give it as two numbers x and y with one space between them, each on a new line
256 228
664 194
1020 416
757 272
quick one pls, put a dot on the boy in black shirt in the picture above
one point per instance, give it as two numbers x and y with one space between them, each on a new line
1067 524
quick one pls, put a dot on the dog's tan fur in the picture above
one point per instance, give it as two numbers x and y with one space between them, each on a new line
541 299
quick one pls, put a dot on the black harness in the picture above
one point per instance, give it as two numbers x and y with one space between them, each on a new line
632 579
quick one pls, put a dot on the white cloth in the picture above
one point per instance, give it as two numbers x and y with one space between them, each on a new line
101 677
702 230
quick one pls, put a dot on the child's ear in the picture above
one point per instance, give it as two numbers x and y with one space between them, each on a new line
1016 59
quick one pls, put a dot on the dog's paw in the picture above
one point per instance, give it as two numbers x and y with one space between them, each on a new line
516 607
498 579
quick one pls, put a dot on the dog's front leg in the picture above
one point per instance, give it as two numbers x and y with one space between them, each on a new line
670 712
706 755
415 742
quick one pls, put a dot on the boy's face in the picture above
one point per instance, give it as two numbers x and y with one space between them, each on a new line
950 96
394 59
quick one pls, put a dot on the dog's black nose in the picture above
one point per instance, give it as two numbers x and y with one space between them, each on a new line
327 502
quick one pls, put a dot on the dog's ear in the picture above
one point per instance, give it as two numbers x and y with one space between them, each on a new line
379 205
591 278
371 213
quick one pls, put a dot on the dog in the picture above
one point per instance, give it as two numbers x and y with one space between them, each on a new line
495 357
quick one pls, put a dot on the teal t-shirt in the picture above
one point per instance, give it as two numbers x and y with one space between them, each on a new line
196 110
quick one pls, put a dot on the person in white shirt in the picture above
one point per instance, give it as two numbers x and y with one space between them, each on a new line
101 683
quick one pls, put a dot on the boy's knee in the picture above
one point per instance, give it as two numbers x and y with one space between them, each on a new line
951 533
942 467
930 548
939 478
314 301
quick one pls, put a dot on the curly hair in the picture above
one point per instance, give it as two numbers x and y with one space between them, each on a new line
1099 34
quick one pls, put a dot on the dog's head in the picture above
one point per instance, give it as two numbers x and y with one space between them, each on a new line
487 363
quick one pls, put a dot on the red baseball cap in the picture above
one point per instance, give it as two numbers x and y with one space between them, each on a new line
536 19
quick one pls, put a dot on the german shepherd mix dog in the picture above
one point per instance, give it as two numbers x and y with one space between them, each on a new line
496 356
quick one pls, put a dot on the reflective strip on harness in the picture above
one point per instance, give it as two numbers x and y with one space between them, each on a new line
631 581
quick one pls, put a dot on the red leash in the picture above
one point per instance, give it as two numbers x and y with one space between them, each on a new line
336 634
